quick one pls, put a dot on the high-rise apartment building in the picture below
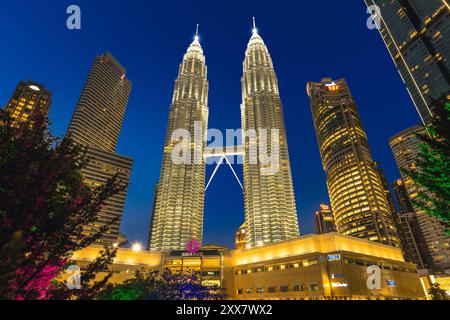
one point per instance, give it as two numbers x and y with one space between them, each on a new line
358 199
28 99
96 124
270 210
324 220
416 33
178 212
406 147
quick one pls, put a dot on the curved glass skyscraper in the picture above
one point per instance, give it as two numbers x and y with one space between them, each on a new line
358 200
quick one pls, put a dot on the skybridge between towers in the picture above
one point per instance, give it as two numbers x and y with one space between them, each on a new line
223 153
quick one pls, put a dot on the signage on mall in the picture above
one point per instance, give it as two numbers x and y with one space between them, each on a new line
193 246
334 257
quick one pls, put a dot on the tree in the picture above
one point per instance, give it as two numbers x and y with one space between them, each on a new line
154 285
437 293
432 171
44 205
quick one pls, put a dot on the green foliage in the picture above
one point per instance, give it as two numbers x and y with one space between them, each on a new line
44 205
90 288
432 171
155 285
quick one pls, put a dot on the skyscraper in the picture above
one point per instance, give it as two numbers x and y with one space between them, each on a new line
358 200
178 214
98 117
270 211
413 243
96 123
416 34
240 237
324 220
399 220
28 99
401 195
155 196
386 190
405 146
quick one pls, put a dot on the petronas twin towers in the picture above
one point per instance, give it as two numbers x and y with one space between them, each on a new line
178 208
270 210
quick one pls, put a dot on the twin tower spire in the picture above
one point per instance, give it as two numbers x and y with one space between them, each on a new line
270 210
197 38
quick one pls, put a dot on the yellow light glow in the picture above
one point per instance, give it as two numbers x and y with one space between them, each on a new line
339 285
137 247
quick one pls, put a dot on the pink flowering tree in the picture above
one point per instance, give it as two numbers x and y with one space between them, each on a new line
44 205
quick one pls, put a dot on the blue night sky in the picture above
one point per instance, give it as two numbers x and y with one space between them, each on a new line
308 40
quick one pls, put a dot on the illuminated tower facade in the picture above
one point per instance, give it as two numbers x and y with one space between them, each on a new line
270 211
358 199
406 147
414 246
28 98
386 190
98 118
178 210
240 237
96 123
324 220
401 195
416 33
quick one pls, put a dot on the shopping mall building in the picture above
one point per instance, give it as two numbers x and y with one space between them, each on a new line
329 266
